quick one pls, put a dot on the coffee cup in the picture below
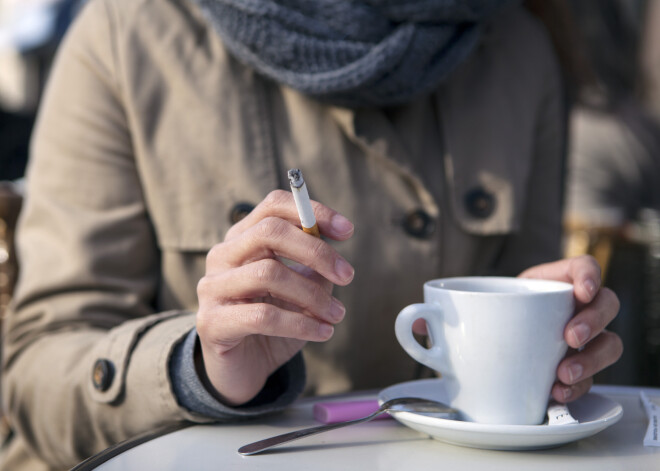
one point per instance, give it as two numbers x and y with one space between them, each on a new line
496 342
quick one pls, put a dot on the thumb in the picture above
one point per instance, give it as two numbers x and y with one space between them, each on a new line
583 272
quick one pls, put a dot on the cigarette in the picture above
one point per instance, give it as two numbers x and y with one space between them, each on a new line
303 204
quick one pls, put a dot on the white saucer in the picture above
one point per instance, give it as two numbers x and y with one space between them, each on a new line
593 412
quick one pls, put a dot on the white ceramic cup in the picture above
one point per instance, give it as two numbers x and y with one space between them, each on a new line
496 341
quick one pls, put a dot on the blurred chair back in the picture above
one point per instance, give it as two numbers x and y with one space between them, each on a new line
10 206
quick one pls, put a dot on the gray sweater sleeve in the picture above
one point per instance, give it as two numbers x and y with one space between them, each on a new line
281 389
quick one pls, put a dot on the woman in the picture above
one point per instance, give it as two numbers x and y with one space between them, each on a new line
153 284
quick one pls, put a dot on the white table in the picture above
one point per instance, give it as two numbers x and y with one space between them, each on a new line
383 444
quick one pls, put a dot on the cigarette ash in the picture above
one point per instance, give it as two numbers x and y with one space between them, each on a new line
296 178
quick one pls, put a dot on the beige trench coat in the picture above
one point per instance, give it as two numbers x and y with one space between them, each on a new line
151 136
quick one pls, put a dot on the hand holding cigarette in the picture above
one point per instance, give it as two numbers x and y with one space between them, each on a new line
256 312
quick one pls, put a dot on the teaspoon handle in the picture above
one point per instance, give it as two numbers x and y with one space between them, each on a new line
267 443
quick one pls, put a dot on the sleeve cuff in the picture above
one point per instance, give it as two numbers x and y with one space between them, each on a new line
281 389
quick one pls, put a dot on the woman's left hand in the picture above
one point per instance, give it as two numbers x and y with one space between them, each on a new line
591 347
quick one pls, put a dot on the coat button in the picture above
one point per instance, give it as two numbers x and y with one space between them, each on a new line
102 374
479 203
239 211
419 224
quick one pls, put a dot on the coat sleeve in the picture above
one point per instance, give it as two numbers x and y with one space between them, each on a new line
86 354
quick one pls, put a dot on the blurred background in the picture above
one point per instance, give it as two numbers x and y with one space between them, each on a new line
30 31
610 55
610 52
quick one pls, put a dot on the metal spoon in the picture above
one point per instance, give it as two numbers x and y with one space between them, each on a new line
400 404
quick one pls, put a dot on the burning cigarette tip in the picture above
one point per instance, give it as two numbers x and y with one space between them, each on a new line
296 178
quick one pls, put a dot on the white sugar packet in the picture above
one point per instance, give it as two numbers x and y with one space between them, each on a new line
652 408
558 414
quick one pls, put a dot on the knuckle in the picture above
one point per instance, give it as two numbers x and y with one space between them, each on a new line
232 232
587 262
318 293
317 296
266 270
214 254
262 317
270 227
204 321
276 198
311 298
203 287
209 291
318 250
303 327
201 325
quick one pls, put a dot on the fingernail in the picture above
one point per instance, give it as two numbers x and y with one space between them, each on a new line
575 372
326 331
343 269
581 333
337 310
340 225
566 393
591 286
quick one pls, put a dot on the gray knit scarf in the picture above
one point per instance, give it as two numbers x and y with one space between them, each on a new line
352 52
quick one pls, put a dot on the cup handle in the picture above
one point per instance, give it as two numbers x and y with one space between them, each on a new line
431 357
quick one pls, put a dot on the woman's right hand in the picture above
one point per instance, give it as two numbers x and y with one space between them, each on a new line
255 311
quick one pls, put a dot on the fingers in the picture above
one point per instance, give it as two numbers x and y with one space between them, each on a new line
566 393
255 312
597 355
582 272
275 237
280 204
419 327
575 372
270 278
238 321
592 319
596 308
